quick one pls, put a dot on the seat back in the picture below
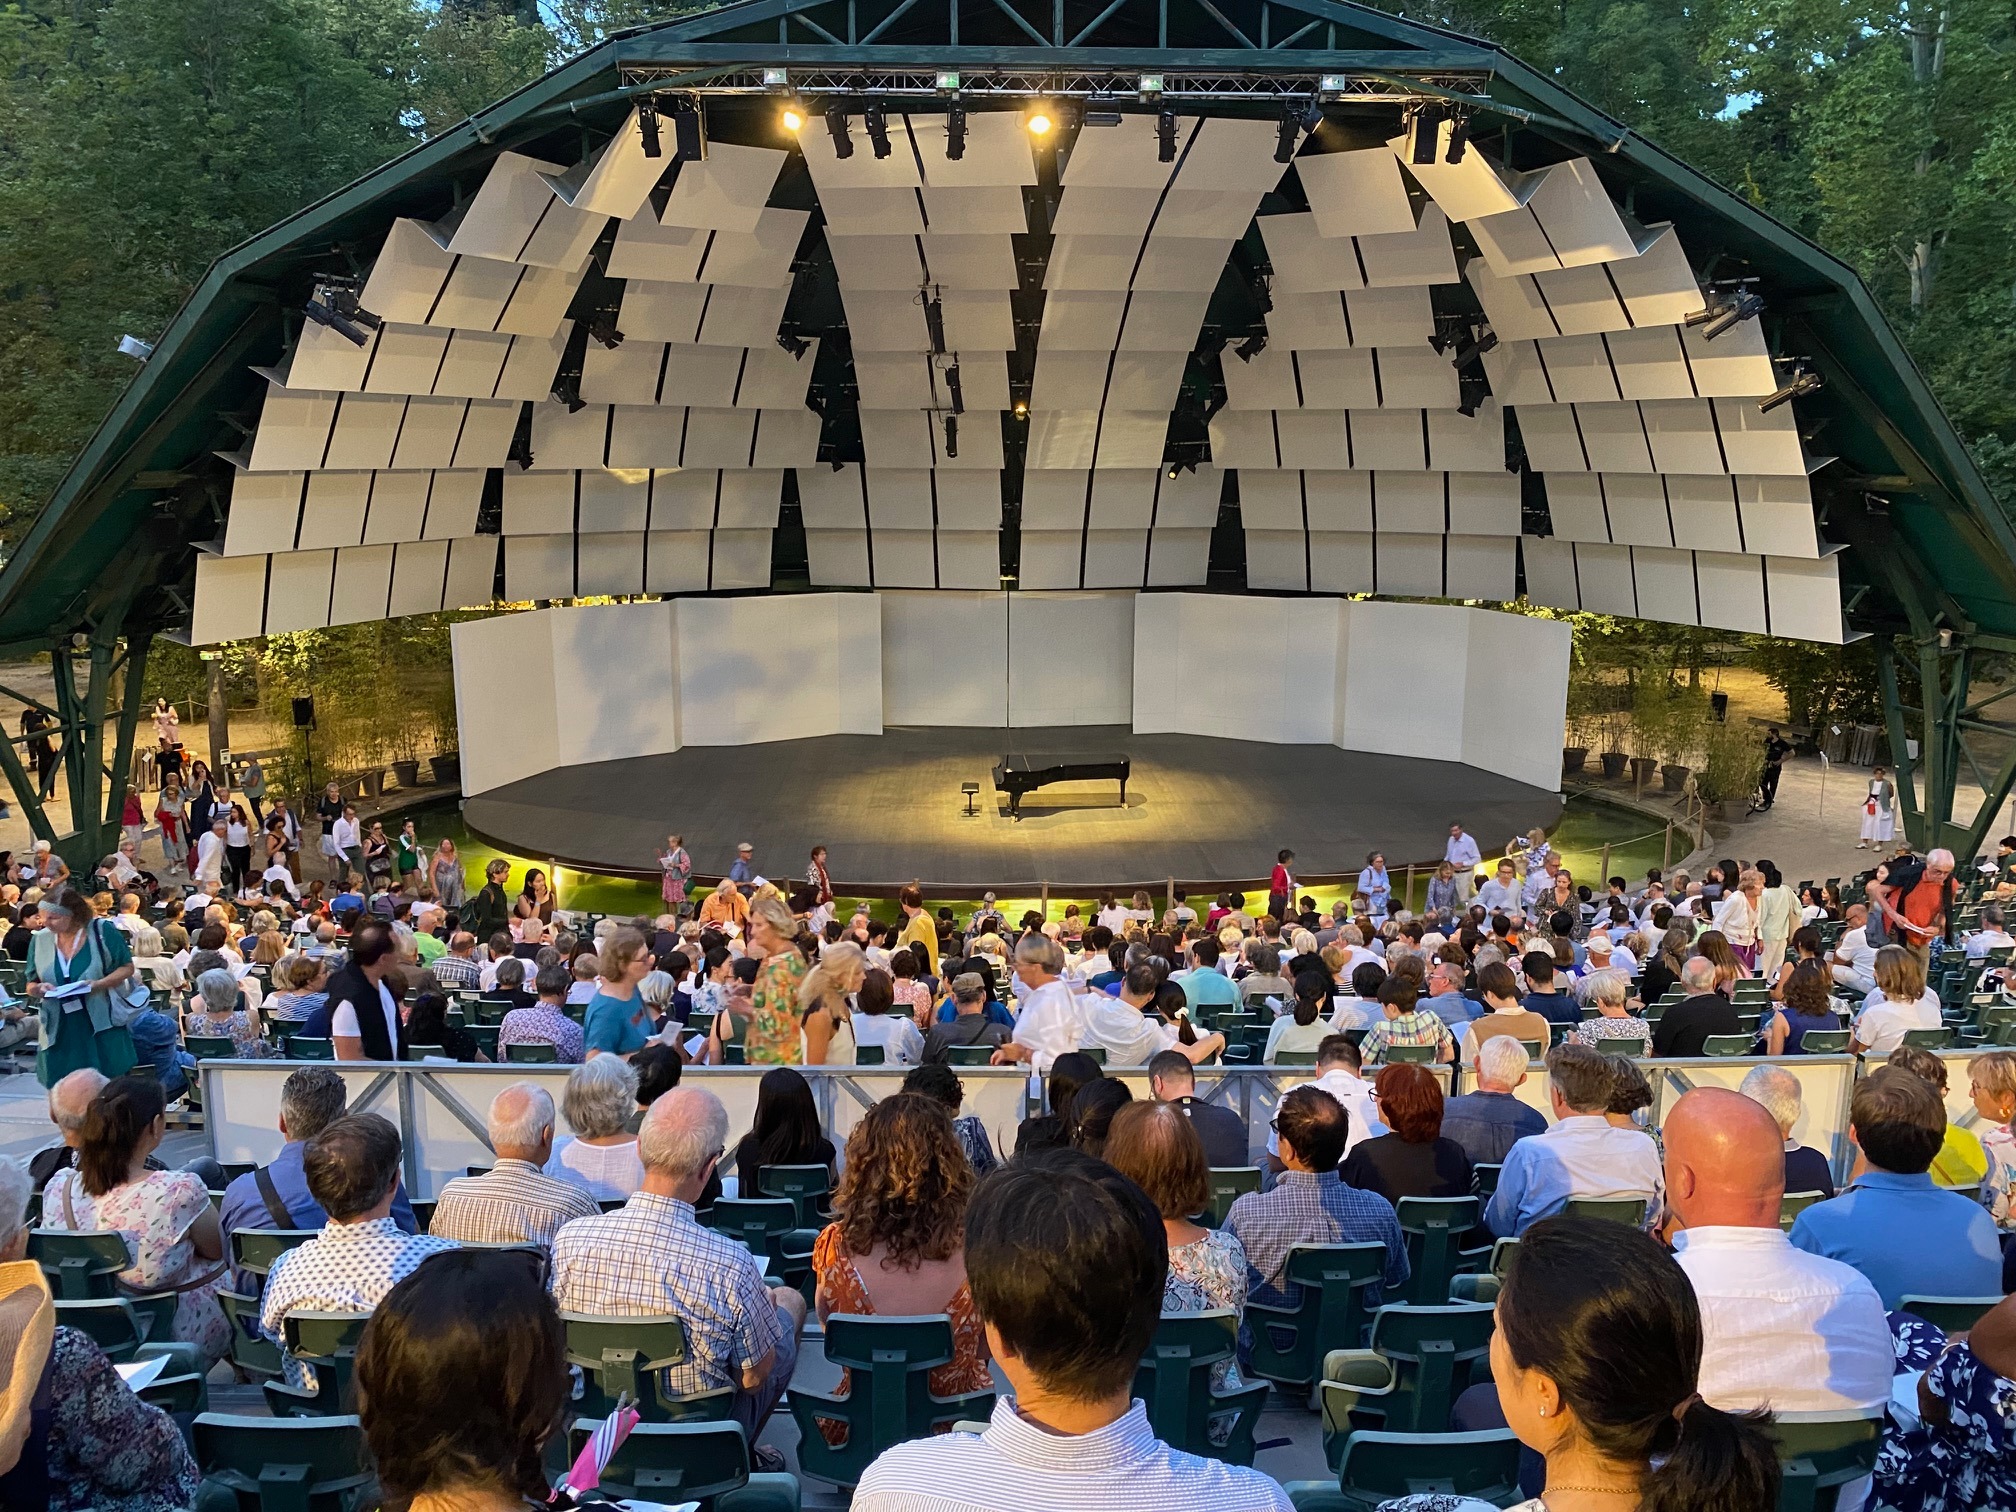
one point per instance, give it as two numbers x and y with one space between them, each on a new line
255 1250
326 1343
628 1356
1330 1311
1434 1227
670 1463
1174 1379
210 1046
110 1321
968 1055
301 1047
1484 1178
80 1264
1821 1452
251 1350
1295 1058
1435 1351
759 1222
1629 1210
1928 1039
285 1464
1824 1041
1228 1184
1379 1466
889 1399
1620 1046
805 1185
537 1053
1419 1055
1728 1044
1792 1204
1952 1314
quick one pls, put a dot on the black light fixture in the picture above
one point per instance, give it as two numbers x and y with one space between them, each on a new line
1165 136
955 132
1725 313
689 134
647 127
793 343
1290 129
334 303
955 388
1101 118
1800 383
1251 347
1459 136
602 328
1313 116
934 322
836 125
951 435
1428 119
1471 346
876 119
567 389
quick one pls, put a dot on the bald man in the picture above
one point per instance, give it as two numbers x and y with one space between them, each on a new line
1781 1329
514 1202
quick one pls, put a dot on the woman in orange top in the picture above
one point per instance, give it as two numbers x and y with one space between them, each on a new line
896 1244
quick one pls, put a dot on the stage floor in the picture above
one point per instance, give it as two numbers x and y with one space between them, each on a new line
889 810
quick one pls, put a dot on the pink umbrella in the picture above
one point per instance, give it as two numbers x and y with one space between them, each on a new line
601 1447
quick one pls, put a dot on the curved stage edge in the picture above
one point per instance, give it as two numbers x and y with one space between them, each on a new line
889 809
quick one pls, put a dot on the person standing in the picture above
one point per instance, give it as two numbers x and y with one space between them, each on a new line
1281 886
1776 749
406 859
78 1030
1375 887
676 868
1461 852
1777 914
168 813
1879 819
743 868
821 884
34 722
252 787
450 890
489 912
329 810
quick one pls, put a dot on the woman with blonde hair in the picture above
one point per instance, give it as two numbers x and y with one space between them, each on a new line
1729 967
617 1021
773 1037
826 1018
1899 1004
269 948
1739 916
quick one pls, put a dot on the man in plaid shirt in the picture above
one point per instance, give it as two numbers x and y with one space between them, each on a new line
651 1258
1404 1025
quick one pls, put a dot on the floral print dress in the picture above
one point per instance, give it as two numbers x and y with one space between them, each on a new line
1967 1462
108 1450
1205 1276
772 1038
154 1214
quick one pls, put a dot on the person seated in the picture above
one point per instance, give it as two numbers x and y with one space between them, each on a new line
458 970
896 1248
942 1085
740 1333
1301 1026
875 1024
1900 1002
601 1155
970 1024
1547 992
1446 999
509 985
1609 992
462 1381
1777 1091
69 1100
514 1202
1961 1451
1119 1024
784 1132
1782 1330
1172 1077
1805 1003
352 1168
1990 936
1489 1121
428 1031
1965 1157
1052 1130
1405 1023
1357 1013
1504 1014
220 1010
1309 1203
1683 1029
1154 1146
1906 1235
1092 1112
1415 1159
1067 1260
1583 1155
546 1022
1597 1363
77 1436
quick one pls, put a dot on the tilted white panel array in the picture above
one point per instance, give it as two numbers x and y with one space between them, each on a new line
1797 597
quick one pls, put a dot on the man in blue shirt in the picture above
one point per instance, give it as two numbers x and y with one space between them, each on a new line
1907 1236
310 1100
744 867
1204 986
1490 1120
1445 996
1543 994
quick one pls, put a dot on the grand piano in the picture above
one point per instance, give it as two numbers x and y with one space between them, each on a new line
1018 774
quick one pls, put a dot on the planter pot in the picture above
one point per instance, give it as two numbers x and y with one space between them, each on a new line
1673 777
1613 764
1573 758
407 773
1641 770
447 766
371 784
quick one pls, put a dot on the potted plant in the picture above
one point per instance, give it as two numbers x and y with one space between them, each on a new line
1581 706
406 753
1731 766
1613 755
447 760
1686 721
1648 727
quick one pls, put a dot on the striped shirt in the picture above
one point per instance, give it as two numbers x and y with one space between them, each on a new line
1420 1027
512 1204
1307 1207
458 973
1015 1466
651 1259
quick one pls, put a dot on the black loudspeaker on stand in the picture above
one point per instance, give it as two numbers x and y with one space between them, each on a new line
304 713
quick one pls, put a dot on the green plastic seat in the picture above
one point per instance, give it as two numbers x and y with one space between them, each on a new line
1377 1467
671 1463
1094 1053
1484 1179
285 1464
889 1398
1174 1379
1295 1058
537 1053
619 1356
1414 1055
1792 1204
969 1055
1484 1285
421 1052
1927 1039
769 1227
1952 1314
255 1250
1629 1210
79 1264
254 1353
1824 1041
326 1343
1228 1184
1421 1360
1821 1452
1728 1044
807 1187
123 1332
300 1047
868 1055
1434 1227
1330 1311
210 1046
485 1036
181 1395
1630 1048
1534 1050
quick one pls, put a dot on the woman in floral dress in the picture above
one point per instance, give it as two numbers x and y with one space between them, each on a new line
1962 1454
773 1035
677 867
450 888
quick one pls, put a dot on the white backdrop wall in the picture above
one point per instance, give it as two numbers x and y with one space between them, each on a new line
1441 682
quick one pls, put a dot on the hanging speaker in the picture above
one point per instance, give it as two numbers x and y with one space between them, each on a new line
304 713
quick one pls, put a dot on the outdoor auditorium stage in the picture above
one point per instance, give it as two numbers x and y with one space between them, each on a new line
889 809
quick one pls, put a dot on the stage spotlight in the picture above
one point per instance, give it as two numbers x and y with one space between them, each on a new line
794 116
1171 470
1165 137
951 436
134 347
877 121
1312 117
956 389
567 389
1801 382
1149 86
955 131
647 127
948 83
1428 121
776 78
322 315
1251 347
1459 137
1021 409
1725 313
934 323
689 135
602 328
1101 118
793 343
1041 121
836 123
1332 85
334 304
1291 128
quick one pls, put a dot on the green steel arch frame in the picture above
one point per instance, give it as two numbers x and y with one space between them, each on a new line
1929 556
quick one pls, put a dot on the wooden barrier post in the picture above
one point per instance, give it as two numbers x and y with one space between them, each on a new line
1666 859
1603 871
1409 903
1046 902
1168 896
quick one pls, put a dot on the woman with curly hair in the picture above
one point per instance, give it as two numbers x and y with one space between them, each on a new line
896 1243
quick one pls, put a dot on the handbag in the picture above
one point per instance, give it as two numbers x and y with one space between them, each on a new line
130 998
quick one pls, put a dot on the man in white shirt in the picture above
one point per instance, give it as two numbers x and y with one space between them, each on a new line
1050 1023
1583 1155
1337 1072
1782 1329
364 1017
278 872
128 918
347 835
1991 936
1501 893
209 873
1119 1026
1854 958
1461 852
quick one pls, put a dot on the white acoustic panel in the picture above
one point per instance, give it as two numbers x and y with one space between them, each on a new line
362 587
324 359
1619 437
1392 317
724 191
265 513
1468 189
1680 434
293 433
905 558
1125 156
1342 562
619 176
472 572
832 498
1735 365
760 258
1650 363
1480 567
610 563
398 509
677 561
715 314
484 295
1412 503
1246 440
1657 286
230 599
1205 214
741 559
1359 193
1703 513
837 558
970 210
1307 262
1550 572
419 578
1665 585
1115 558
1407 566
668 254
1731 591
1566 220
1277 559
297 591
907 438
999 152
406 277
1181 265
1804 598
1484 504
961 260
333 509
897 211
862 170
1777 516
1603 574
876 262
1463 443
608 502
1051 558
539 567
1178 558
1641 511
516 217
1424 255
886 320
